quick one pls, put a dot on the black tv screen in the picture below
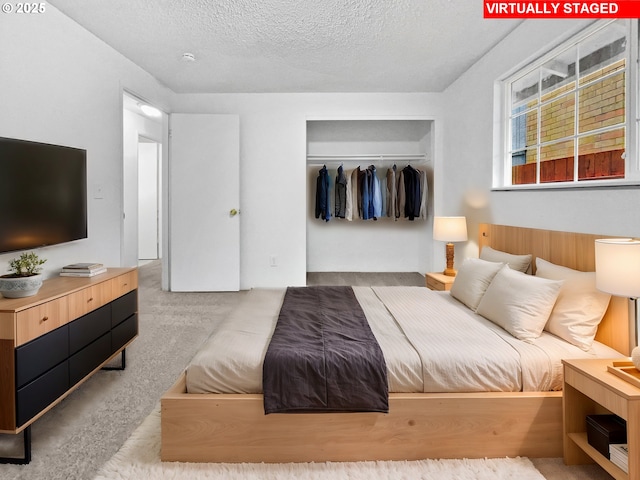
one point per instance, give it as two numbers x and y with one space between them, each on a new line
43 194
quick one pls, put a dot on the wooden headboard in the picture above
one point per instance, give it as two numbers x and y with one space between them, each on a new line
573 250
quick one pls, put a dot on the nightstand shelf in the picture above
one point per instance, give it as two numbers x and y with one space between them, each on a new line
580 439
439 281
590 389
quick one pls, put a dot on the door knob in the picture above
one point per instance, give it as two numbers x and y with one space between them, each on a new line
233 212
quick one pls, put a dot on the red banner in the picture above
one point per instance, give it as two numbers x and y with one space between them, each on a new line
562 9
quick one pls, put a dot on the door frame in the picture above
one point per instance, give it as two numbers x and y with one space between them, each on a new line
129 182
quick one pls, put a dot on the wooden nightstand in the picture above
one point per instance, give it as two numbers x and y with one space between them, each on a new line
590 389
439 281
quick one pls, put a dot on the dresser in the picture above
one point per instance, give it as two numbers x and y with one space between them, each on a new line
53 341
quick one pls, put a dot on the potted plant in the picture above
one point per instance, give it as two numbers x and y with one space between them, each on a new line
25 278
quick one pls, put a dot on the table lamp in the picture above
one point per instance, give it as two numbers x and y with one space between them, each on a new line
450 229
618 273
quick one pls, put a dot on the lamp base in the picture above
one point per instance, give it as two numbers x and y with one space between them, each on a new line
450 272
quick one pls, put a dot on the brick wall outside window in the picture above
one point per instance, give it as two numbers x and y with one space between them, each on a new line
600 104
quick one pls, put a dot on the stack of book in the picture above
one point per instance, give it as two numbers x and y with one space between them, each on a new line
619 455
82 270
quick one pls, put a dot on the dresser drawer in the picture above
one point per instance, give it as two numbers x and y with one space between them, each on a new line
39 394
87 328
124 332
41 354
123 307
440 282
89 299
40 319
84 361
124 283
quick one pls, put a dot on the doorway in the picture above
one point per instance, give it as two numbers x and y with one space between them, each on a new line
149 194
144 136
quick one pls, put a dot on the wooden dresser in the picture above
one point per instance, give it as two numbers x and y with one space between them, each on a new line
51 342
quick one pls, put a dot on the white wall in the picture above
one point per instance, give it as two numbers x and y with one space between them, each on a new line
273 173
468 151
62 85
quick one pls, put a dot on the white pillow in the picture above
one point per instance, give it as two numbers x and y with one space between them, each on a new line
519 303
473 278
579 308
516 262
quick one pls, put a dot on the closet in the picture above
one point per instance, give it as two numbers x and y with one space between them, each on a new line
383 244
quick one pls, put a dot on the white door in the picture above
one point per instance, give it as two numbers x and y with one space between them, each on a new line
204 197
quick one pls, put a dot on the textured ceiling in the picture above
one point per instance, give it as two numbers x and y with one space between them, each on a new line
295 46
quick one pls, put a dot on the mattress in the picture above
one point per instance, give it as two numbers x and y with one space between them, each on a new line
430 341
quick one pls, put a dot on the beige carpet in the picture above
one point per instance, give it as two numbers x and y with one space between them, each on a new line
139 458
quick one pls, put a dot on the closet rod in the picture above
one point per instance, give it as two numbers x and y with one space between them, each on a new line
385 156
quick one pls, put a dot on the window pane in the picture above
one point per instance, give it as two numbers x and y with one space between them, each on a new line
524 130
559 74
523 167
603 52
601 156
524 91
556 162
557 119
602 104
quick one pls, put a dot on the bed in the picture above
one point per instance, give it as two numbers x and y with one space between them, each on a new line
232 427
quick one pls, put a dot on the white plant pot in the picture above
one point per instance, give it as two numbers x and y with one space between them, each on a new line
19 287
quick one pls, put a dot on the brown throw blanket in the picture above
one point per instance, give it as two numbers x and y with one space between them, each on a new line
323 356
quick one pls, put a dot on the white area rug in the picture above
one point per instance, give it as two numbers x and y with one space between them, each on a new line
139 458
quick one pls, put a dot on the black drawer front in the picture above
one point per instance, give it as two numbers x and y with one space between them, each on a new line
37 395
124 332
39 355
89 358
86 329
123 307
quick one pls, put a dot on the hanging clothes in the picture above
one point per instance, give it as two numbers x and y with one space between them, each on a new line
356 202
323 184
424 188
402 197
392 193
348 204
362 178
365 182
376 194
340 193
412 193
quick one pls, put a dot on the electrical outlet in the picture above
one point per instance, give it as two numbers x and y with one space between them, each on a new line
98 191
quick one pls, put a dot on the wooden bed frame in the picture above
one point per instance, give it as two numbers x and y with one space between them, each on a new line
234 428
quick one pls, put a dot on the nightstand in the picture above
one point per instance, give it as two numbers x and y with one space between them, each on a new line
439 281
590 389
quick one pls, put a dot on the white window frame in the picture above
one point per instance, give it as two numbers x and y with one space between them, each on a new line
502 171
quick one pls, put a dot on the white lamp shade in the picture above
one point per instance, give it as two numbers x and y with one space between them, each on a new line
450 229
618 266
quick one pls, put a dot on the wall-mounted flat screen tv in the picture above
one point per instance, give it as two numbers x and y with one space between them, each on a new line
43 194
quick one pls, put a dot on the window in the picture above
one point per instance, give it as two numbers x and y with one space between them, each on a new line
566 116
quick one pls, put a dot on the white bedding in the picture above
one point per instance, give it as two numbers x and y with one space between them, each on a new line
431 343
